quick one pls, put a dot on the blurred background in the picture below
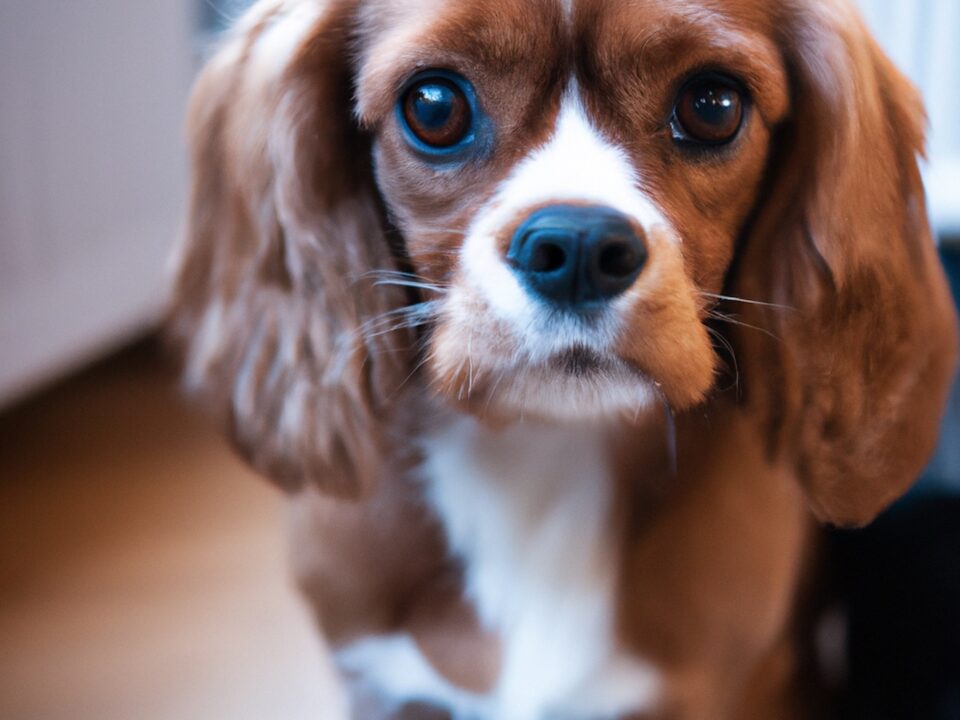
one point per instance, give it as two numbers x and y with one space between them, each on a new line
142 569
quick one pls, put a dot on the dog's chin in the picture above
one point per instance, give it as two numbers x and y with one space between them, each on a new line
576 385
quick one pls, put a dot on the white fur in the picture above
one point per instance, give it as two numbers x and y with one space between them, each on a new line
204 346
284 35
258 13
528 512
393 669
549 393
575 165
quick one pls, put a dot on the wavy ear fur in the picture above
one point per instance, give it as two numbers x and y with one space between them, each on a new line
854 387
272 286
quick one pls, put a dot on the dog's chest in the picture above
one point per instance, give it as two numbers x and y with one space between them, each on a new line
528 512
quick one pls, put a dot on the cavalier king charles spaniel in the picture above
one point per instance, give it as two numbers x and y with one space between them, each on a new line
563 322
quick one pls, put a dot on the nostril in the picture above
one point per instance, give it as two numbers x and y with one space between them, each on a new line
620 259
577 256
547 257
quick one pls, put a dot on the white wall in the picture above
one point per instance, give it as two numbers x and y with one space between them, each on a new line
91 174
923 38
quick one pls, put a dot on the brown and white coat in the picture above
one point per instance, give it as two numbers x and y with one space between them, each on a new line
501 511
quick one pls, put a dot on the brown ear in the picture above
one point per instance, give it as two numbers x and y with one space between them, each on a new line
854 386
273 284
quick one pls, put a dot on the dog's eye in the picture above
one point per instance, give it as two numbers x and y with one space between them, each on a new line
709 111
437 110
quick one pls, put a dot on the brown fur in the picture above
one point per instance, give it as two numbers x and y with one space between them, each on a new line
833 388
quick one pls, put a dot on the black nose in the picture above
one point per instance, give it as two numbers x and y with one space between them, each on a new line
577 256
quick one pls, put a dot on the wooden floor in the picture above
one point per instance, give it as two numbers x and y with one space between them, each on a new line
142 568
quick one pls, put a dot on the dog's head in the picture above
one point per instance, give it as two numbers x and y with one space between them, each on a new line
543 209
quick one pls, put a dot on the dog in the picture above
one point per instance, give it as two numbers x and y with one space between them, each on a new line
564 323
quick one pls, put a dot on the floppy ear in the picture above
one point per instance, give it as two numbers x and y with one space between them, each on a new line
854 386
273 283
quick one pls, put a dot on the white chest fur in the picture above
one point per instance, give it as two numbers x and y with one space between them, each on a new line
528 512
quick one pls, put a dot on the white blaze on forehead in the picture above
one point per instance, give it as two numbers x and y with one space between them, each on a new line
576 165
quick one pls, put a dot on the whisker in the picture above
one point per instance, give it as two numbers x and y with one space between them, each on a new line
391 274
416 368
405 310
392 329
718 336
759 303
493 390
732 321
470 357
406 317
411 284
460 378
395 277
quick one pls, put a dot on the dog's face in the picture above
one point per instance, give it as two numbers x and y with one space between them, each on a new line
572 181
543 207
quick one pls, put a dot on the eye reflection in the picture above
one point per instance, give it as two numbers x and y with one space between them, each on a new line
437 112
709 111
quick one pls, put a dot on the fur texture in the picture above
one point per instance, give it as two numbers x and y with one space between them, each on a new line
489 487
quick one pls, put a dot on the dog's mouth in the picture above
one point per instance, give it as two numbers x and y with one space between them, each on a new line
555 366
503 354
573 383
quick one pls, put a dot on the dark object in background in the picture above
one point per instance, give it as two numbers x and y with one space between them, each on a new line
900 580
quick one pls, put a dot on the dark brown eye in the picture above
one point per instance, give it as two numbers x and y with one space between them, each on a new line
709 111
437 112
